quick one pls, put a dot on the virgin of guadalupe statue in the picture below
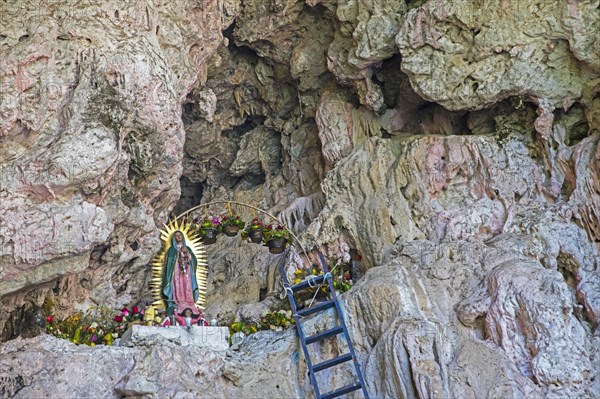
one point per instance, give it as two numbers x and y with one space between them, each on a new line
178 280
180 286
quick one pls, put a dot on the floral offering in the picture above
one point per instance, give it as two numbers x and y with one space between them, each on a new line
97 326
231 224
254 231
208 228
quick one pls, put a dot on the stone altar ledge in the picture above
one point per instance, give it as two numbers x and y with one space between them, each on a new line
213 338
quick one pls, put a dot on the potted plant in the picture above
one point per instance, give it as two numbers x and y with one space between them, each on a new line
208 229
231 224
254 231
276 237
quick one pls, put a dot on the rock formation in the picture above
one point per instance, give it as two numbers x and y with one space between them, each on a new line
454 145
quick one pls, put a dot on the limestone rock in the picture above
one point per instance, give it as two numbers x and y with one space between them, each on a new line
453 146
207 104
531 318
466 55
51 367
92 136
213 338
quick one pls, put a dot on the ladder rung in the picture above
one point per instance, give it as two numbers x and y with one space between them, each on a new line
325 334
305 284
332 362
317 308
341 391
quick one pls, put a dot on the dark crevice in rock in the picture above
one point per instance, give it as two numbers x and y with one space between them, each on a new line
249 181
262 294
435 119
390 81
241 50
385 134
96 255
228 34
479 327
121 279
188 112
414 115
191 194
573 122
10 385
250 124
26 321
414 3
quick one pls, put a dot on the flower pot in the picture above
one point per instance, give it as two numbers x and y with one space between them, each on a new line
210 236
277 245
230 230
256 236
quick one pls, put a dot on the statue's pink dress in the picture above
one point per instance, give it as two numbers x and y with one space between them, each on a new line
182 284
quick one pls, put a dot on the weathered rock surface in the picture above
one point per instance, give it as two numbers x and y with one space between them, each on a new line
453 145
92 138
209 337
49 367
408 323
466 55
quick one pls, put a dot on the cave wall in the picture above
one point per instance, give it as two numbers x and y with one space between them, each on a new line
453 144
92 142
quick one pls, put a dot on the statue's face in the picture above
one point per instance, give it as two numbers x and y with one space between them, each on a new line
178 237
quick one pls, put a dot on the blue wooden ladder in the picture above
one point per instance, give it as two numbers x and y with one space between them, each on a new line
340 329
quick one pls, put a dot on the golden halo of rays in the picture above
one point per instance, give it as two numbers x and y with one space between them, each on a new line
193 241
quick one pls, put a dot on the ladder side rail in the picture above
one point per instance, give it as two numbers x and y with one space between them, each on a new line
343 325
292 301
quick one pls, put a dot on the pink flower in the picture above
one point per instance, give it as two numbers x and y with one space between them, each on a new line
49 319
135 310
125 312
118 318
215 221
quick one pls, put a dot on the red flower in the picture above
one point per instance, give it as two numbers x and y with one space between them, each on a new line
118 318
49 319
135 310
347 276
357 257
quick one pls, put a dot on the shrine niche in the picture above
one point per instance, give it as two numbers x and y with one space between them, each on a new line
179 275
